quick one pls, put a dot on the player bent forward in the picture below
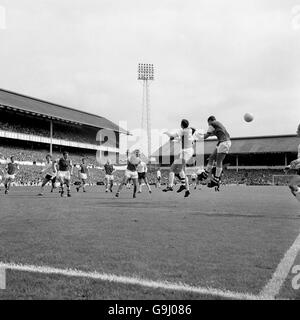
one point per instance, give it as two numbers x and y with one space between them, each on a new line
217 129
65 171
131 172
294 184
50 172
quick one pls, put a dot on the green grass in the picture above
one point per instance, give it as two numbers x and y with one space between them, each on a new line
230 240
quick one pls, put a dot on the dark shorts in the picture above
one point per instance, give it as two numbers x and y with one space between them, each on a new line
158 178
142 175
50 178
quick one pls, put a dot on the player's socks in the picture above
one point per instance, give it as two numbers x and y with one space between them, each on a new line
182 187
203 175
187 193
168 189
214 182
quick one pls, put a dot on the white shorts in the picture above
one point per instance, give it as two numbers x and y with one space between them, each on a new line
187 154
131 174
10 177
109 177
224 147
64 175
82 176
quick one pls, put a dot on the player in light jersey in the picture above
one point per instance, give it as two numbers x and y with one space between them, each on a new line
217 129
142 176
11 171
50 172
187 137
109 177
65 171
83 174
158 178
194 179
131 172
294 184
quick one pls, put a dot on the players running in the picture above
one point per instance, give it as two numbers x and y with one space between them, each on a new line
65 171
217 129
131 172
50 172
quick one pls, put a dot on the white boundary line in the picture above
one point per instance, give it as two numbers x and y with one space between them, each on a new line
272 288
131 280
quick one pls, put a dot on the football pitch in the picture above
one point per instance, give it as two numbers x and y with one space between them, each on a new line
240 243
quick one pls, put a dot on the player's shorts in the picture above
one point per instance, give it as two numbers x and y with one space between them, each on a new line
131 174
142 175
64 175
10 177
82 176
109 177
193 179
186 154
49 177
158 179
224 147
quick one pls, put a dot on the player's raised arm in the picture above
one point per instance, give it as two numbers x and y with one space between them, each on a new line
209 133
172 136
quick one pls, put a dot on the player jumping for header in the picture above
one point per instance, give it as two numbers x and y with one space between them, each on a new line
294 184
217 129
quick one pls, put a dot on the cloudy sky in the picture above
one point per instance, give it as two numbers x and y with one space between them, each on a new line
211 57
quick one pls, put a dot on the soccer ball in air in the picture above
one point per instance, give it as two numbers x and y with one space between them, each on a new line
248 117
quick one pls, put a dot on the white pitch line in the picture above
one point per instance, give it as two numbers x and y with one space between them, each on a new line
130 280
272 288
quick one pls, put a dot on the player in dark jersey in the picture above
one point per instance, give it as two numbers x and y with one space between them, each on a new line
217 129
11 171
109 178
131 172
83 174
65 171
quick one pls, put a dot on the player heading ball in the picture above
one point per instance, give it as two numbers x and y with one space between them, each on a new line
216 128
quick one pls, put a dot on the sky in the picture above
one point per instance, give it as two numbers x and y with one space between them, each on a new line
211 57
